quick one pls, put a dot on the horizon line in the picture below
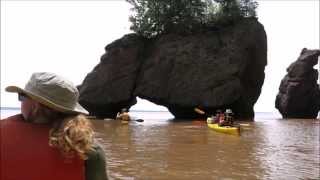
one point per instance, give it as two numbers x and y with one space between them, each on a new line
134 110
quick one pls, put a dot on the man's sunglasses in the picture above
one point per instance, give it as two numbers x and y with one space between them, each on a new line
22 97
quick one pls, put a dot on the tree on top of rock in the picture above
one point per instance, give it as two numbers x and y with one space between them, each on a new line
155 17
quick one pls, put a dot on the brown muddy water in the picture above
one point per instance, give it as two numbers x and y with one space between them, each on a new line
163 148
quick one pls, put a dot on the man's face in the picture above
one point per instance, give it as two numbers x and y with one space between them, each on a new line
27 106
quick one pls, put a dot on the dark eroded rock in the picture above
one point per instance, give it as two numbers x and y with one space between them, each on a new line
299 95
211 69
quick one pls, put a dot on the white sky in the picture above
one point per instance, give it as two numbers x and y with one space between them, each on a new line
68 38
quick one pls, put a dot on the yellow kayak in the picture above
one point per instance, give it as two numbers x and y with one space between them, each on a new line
225 129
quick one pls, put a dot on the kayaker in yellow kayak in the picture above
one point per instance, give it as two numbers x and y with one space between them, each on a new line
221 122
226 119
224 123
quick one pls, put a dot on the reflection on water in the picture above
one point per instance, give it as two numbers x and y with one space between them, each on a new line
161 148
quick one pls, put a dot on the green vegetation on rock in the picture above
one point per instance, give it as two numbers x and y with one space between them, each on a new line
154 17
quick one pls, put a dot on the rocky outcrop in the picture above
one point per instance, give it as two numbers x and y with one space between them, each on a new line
110 86
218 68
299 94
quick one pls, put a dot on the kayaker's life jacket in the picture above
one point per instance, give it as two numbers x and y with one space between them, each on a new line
26 155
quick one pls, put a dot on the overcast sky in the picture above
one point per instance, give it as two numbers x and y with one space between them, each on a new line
68 38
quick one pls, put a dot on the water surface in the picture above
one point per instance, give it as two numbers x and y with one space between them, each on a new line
162 148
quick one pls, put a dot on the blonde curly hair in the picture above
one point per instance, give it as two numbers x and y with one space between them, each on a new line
72 134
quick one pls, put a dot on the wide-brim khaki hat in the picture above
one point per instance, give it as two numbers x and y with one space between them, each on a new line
52 91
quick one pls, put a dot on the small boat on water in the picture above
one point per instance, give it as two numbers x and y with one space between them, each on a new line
234 130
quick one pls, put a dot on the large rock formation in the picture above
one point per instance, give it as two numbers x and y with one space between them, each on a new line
216 68
299 95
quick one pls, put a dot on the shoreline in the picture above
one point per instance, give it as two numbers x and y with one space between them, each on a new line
156 115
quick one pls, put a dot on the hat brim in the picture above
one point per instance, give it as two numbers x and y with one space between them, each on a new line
76 110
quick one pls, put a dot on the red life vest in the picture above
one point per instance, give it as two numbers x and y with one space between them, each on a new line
26 155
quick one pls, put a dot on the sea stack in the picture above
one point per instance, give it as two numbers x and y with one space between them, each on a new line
299 94
217 68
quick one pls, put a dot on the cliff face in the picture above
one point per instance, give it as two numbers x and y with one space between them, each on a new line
299 94
221 68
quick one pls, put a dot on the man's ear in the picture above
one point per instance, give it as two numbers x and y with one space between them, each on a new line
35 107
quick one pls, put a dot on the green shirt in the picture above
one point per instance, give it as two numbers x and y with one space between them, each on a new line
95 165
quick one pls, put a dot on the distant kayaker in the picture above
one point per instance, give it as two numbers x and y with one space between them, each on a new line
123 115
227 119
51 139
218 116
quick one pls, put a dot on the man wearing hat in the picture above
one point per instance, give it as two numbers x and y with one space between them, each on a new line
51 139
